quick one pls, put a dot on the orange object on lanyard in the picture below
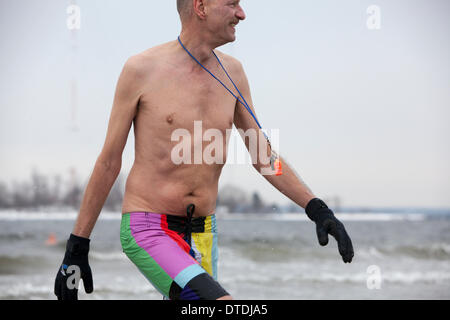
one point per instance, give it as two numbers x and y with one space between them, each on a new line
278 169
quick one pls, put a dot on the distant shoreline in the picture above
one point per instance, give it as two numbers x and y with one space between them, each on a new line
17 215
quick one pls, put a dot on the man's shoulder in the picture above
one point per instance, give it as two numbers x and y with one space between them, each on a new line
229 61
148 59
233 66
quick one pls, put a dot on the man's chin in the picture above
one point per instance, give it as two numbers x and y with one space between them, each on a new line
228 40
231 38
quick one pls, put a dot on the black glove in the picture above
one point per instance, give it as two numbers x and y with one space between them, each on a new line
75 266
326 223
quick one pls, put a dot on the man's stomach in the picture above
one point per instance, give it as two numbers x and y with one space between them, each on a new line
170 192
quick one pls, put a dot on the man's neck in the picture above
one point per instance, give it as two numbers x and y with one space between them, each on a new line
199 47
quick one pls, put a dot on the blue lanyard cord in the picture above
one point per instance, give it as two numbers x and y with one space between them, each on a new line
245 104
240 94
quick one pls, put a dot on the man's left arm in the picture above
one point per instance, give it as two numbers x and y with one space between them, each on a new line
289 183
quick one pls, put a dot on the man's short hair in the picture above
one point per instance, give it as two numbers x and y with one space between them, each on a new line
183 6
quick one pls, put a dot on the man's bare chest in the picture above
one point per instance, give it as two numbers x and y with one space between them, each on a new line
174 103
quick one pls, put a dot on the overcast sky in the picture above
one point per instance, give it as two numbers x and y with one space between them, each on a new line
363 114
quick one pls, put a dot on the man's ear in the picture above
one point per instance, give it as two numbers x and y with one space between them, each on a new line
199 8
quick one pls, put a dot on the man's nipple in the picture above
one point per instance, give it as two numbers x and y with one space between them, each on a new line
169 119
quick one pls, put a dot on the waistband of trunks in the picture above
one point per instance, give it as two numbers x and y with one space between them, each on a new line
178 223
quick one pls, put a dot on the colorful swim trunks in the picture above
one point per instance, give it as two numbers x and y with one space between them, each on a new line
178 255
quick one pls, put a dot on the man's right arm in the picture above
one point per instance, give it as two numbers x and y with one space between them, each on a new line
106 170
108 164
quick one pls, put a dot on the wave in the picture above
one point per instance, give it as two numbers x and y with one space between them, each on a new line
13 215
13 260
394 277
118 288
20 264
17 236
9 262
297 246
440 251
137 288
361 278
340 216
437 251
26 290
107 256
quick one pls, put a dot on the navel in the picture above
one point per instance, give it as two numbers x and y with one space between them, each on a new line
169 119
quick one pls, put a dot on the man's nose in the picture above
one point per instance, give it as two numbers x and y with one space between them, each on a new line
240 14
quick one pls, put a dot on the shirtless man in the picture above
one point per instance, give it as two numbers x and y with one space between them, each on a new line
168 227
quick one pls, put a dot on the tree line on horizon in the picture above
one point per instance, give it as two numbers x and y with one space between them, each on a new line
42 191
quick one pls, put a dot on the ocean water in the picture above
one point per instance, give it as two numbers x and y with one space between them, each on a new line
397 256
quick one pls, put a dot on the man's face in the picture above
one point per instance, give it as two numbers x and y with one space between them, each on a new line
223 16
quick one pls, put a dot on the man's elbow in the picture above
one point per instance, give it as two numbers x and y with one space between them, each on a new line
109 164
